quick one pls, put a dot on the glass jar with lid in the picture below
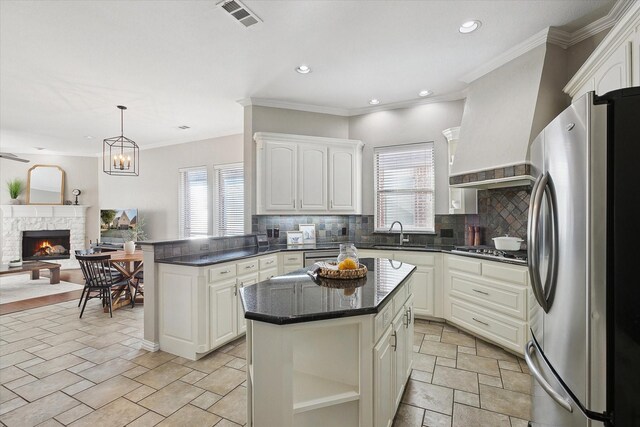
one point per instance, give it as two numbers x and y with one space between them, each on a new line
348 250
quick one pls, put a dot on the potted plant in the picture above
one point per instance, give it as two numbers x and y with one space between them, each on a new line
15 188
134 234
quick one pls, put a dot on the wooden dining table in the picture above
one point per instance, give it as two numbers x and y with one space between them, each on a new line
128 265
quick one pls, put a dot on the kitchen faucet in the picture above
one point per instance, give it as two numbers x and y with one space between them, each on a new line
402 239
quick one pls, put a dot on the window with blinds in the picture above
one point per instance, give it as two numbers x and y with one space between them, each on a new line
405 186
229 195
193 209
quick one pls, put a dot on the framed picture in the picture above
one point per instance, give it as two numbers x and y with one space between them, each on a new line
308 232
294 237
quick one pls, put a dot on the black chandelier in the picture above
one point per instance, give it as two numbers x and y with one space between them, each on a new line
120 155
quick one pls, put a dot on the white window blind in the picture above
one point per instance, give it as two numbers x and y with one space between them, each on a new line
229 190
405 186
193 209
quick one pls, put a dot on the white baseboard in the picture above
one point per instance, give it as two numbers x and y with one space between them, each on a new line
150 346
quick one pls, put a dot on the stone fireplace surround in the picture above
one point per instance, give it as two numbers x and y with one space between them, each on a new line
18 218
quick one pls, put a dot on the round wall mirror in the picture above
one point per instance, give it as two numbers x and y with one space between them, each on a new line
45 185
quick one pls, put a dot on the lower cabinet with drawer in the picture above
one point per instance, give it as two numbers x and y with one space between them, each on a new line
392 355
488 298
291 261
200 307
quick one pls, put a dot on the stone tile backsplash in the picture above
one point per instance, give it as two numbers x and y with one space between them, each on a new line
500 211
202 246
504 211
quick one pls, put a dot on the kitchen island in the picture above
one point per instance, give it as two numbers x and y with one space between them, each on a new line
320 351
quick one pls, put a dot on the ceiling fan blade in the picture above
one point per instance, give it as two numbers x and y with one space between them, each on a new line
10 156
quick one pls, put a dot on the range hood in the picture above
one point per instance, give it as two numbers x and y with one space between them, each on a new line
504 111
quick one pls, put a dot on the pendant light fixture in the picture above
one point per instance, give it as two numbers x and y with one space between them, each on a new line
120 155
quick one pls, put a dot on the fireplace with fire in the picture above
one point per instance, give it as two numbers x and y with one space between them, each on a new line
45 245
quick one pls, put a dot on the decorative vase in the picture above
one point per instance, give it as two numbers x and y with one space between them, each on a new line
129 247
14 201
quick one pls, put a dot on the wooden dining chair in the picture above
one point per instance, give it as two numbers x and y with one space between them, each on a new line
100 280
90 251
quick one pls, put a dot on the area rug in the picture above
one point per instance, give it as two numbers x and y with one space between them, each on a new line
20 287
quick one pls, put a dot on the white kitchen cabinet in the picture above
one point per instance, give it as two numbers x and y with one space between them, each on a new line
280 178
223 312
344 187
427 281
292 261
461 200
614 63
383 388
201 308
312 177
241 282
299 174
392 354
488 298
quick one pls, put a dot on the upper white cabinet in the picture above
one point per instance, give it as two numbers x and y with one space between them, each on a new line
344 167
461 200
615 63
299 174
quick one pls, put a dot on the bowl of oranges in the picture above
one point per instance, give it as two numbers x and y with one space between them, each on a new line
346 269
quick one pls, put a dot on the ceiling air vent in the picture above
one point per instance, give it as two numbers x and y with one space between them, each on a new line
239 12
184 127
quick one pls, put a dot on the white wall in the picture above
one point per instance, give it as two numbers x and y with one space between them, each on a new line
416 124
155 192
80 172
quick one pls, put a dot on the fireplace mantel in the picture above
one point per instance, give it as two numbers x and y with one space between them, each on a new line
19 218
49 211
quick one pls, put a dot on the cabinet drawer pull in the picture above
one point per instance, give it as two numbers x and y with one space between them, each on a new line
395 341
294 204
235 291
249 266
332 204
225 272
410 318
480 292
269 262
292 259
480 321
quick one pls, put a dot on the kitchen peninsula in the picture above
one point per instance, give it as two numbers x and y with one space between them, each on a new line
319 350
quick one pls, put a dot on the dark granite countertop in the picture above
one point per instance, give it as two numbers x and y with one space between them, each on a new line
227 255
298 297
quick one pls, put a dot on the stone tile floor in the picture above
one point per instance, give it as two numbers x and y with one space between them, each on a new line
56 369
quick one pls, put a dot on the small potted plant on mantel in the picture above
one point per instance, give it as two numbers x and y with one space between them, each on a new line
15 188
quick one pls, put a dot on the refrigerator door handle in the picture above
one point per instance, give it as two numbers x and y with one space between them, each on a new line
565 403
543 187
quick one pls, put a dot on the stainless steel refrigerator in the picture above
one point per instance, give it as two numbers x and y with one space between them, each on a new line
582 243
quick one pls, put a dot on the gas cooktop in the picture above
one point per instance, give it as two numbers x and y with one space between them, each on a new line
490 252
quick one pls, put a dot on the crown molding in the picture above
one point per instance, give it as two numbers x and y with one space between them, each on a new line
344 112
521 48
553 35
276 103
620 32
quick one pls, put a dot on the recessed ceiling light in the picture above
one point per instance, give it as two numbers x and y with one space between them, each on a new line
184 127
374 101
469 26
303 69
88 137
424 93
39 148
